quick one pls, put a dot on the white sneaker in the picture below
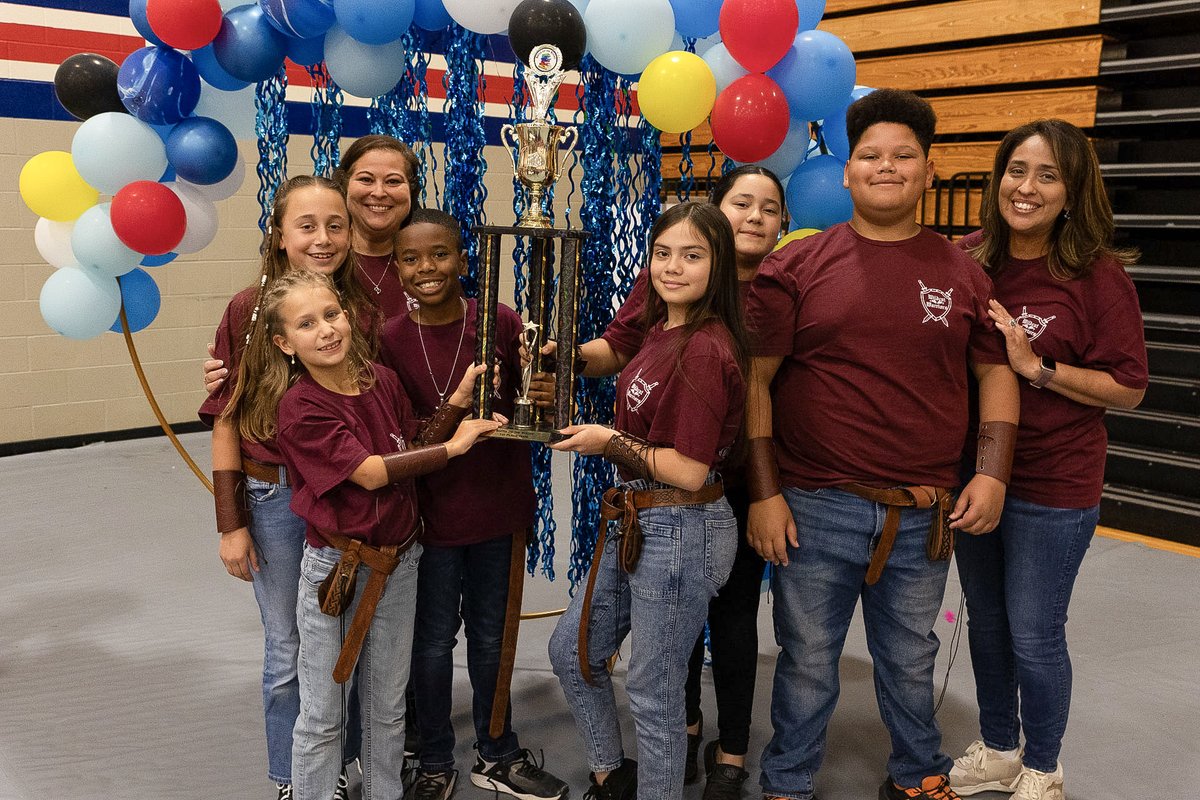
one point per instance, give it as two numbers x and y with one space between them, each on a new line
983 769
1034 785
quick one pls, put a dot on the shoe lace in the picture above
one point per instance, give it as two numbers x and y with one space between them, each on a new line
428 786
285 791
975 757
1032 785
528 767
941 792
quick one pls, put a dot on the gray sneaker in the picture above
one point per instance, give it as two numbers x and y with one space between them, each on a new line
521 777
983 769
434 785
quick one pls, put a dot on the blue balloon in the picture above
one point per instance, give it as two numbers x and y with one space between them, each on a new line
816 75
816 197
96 246
248 46
307 52
202 150
363 70
811 12
79 304
158 85
697 18
141 299
860 92
112 149
792 152
372 21
213 73
431 15
833 133
158 261
300 19
724 66
137 13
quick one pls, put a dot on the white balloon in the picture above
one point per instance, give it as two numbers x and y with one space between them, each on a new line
53 241
724 67
363 70
222 189
234 110
482 16
201 217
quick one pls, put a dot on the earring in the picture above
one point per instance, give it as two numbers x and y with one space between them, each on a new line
292 358
1066 213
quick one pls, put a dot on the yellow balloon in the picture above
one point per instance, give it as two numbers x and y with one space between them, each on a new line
676 91
797 235
52 187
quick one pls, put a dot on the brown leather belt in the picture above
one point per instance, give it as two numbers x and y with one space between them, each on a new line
895 498
623 505
267 473
382 561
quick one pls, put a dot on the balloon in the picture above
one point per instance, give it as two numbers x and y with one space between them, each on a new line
816 197
481 16
137 13
158 261
860 92
795 236
148 217
626 35
79 304
235 110
833 133
431 15
758 32
248 47
226 188
86 85
185 24
372 21
792 152
96 246
213 73
810 12
750 118
697 18
365 70
676 92
53 241
201 218
112 149
141 300
555 22
305 52
299 19
702 45
158 85
817 75
52 187
202 150
724 68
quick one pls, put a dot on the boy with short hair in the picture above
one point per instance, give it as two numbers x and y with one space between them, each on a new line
858 409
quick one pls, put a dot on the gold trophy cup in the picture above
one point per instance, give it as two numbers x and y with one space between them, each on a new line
537 162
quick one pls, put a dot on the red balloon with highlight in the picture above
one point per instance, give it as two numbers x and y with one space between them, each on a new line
750 118
148 217
184 24
757 33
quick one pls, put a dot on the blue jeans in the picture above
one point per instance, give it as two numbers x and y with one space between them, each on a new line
815 597
467 584
1018 582
686 556
382 676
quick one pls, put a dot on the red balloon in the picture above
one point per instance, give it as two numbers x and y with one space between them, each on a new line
184 24
757 33
750 118
148 217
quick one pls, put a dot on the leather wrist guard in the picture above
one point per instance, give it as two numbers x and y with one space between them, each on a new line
994 453
628 453
418 461
762 468
229 492
440 426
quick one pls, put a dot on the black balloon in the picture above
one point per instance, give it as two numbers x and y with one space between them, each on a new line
555 22
86 85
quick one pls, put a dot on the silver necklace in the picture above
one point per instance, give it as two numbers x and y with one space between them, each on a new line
375 283
442 392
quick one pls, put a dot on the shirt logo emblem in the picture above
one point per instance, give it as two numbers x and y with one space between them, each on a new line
638 392
937 304
1033 324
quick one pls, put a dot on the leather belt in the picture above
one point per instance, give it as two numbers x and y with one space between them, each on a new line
894 498
622 505
267 473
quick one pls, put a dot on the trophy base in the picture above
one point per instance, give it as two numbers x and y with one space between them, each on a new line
534 221
543 433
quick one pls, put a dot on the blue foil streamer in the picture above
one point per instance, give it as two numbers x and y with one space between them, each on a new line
270 125
465 140
327 121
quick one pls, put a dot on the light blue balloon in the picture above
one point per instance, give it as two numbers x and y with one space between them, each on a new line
815 195
372 21
792 152
860 92
213 73
97 247
626 35
79 304
363 70
697 18
141 298
811 12
816 75
833 133
725 67
432 15
113 149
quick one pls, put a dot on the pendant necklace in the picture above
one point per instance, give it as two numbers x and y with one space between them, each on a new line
375 283
442 392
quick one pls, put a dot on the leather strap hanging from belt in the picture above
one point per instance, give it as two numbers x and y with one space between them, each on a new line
512 621
896 498
623 505
382 561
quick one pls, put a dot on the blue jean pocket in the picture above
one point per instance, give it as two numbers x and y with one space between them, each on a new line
720 549
317 563
657 573
260 491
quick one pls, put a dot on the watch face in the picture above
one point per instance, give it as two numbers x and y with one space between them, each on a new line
1049 363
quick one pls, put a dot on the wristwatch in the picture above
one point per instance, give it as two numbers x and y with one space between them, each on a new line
1049 365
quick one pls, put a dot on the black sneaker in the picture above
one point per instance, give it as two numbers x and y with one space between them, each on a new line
284 790
342 792
621 784
691 770
434 785
933 787
521 777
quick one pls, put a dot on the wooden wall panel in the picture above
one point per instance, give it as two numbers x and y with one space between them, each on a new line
1001 111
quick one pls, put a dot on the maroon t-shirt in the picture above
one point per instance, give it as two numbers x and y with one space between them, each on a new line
875 339
380 278
1094 323
487 492
229 344
687 394
325 436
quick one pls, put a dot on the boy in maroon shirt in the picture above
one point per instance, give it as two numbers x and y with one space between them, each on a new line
858 398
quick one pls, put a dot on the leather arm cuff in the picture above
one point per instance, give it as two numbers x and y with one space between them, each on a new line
440 426
229 491
994 454
550 362
411 463
628 453
762 468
